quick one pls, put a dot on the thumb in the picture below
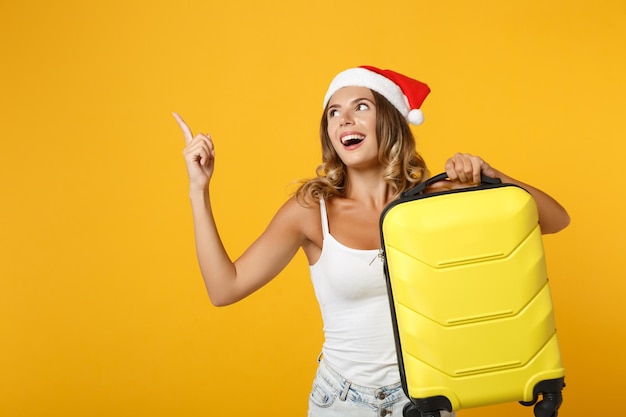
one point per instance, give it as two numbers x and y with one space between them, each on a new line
183 126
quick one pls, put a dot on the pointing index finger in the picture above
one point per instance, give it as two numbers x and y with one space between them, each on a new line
183 126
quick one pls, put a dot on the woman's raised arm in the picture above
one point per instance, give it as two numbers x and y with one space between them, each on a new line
227 281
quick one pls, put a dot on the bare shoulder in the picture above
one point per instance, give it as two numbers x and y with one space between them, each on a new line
305 218
300 213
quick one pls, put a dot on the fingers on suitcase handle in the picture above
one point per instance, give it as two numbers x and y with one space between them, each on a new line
441 177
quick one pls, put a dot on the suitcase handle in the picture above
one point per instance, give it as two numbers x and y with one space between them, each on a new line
419 189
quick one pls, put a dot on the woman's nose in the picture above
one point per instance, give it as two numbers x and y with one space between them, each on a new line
346 119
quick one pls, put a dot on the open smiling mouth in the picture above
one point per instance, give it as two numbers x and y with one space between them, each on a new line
350 140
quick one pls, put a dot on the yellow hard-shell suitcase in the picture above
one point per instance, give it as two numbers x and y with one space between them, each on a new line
470 299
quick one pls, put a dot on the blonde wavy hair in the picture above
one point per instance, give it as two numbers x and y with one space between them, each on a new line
404 166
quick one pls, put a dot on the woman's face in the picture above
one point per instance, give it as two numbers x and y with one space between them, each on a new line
351 116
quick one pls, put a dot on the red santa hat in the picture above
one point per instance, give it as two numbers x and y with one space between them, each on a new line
404 93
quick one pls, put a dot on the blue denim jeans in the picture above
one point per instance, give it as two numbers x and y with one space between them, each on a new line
334 396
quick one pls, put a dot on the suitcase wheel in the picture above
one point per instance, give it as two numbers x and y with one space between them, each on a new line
549 406
411 410
552 398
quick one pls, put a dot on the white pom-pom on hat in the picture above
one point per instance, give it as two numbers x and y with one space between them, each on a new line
404 93
416 117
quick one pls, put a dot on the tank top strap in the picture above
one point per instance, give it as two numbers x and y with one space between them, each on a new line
324 215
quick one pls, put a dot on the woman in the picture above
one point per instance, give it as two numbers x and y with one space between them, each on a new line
368 159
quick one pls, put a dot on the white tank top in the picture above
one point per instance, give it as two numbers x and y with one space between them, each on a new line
351 290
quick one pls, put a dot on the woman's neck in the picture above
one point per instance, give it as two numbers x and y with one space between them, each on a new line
369 188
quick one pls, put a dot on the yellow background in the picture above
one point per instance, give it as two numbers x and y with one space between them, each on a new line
102 309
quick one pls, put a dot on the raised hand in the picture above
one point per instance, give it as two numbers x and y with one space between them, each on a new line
199 156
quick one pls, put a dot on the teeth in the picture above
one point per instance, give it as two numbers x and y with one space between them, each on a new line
349 139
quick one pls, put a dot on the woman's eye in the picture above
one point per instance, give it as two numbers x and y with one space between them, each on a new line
363 106
333 113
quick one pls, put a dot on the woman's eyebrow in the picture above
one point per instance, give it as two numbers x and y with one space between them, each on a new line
356 100
361 99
